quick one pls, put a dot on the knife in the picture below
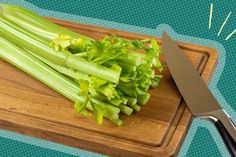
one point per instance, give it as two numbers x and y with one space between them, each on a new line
196 94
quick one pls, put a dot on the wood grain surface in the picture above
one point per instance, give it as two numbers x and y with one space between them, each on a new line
29 107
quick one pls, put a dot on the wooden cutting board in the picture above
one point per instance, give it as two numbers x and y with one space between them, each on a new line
29 107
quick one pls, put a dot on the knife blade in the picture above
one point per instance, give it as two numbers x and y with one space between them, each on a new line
195 92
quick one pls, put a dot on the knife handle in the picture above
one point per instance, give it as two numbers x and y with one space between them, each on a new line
225 126
227 138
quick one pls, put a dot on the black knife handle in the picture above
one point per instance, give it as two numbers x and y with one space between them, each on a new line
227 138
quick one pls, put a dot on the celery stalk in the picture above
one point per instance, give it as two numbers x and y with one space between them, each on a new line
142 99
31 65
135 107
106 76
131 101
39 70
126 110
30 43
118 122
35 24
62 69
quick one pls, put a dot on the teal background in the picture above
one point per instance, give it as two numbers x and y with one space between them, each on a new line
188 18
22 149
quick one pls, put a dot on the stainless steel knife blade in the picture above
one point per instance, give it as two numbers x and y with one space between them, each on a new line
191 86
195 92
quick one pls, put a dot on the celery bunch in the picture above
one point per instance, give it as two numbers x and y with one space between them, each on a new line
105 76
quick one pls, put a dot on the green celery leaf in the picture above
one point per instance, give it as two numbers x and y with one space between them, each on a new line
61 42
97 112
80 106
77 45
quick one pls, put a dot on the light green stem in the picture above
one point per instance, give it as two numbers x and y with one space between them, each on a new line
34 67
126 110
12 33
39 70
37 25
62 69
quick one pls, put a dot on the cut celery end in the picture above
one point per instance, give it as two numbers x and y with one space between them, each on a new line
135 107
143 99
126 110
118 122
131 101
